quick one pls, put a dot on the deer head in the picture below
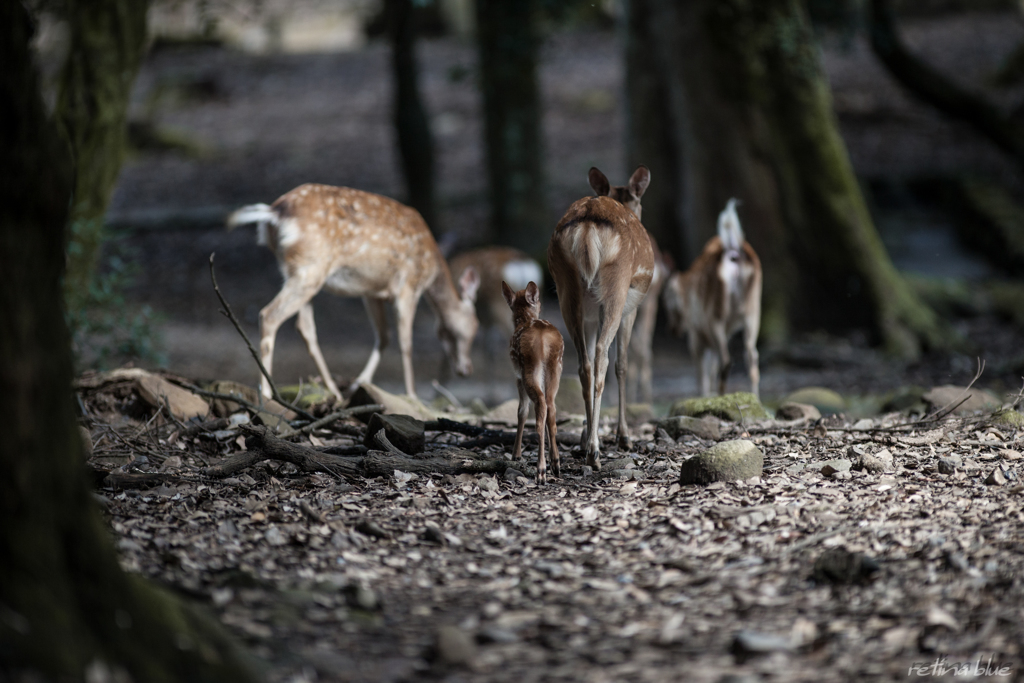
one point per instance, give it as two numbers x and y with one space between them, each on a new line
457 324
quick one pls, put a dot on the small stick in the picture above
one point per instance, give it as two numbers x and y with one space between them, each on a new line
226 311
333 417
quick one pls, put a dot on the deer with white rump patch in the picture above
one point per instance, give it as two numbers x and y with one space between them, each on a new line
602 262
642 339
356 243
536 350
718 296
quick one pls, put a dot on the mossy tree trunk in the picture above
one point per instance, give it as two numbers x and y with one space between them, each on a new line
650 137
508 42
65 602
412 125
755 114
107 45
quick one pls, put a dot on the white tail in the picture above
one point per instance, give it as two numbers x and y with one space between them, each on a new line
497 264
355 243
642 340
536 350
602 262
718 296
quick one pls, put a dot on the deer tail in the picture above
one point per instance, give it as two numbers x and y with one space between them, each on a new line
260 214
729 230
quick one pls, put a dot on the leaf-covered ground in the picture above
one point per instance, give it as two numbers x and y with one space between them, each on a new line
917 561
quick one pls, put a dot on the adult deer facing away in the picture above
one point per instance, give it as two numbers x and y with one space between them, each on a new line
536 350
642 339
601 260
718 296
356 243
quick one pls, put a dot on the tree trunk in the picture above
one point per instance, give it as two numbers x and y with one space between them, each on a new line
415 144
650 137
107 44
507 39
755 114
66 604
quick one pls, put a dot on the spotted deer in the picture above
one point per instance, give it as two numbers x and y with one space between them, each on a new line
356 243
495 264
718 296
536 350
642 340
602 262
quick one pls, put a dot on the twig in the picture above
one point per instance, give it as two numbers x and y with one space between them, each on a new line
334 417
942 412
226 311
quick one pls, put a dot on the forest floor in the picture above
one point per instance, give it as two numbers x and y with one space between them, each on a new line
595 576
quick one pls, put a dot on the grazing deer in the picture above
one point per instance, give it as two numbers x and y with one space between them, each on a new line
718 296
494 265
642 340
536 350
355 243
602 262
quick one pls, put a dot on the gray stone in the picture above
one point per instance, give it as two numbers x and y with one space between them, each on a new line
487 483
830 467
726 461
949 465
797 411
507 412
997 478
948 394
870 463
406 433
681 425
511 474
827 402
622 474
619 464
735 407
455 647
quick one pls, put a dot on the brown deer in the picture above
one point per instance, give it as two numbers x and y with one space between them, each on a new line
355 243
495 264
602 262
642 339
536 350
718 296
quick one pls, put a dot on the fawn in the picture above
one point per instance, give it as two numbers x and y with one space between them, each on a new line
536 350
602 262
356 243
642 340
718 296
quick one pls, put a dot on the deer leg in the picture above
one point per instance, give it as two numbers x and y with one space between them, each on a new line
610 319
552 429
722 344
307 328
379 322
540 414
621 366
293 296
405 306
706 362
750 344
524 408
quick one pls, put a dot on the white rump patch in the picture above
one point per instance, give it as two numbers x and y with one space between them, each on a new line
729 230
518 274
288 233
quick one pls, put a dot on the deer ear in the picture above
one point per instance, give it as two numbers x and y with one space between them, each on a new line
599 182
639 181
469 283
507 292
532 293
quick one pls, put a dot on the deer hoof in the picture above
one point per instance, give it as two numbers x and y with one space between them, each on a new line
594 460
624 442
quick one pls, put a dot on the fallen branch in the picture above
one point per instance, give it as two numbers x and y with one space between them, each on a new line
492 437
268 446
137 480
454 461
339 415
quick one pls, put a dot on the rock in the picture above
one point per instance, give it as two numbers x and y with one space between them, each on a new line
569 400
478 407
184 405
997 478
405 432
948 465
863 424
507 412
86 436
726 461
455 647
619 464
840 566
1008 418
680 425
831 467
621 473
171 463
735 407
905 400
275 537
871 463
638 413
1008 454
825 400
797 411
512 474
306 395
746 644
948 394
487 483
359 596
394 404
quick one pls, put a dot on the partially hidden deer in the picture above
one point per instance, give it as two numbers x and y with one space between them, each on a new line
495 264
642 340
602 262
355 243
536 348
719 295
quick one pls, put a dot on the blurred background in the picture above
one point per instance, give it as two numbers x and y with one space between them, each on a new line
877 147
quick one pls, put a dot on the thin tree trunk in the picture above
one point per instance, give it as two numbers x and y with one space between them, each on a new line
65 601
757 123
107 44
415 143
507 39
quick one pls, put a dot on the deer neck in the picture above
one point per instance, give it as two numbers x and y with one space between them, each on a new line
442 295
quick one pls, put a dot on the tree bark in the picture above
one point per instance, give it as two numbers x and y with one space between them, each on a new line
755 114
108 39
412 125
66 604
507 40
